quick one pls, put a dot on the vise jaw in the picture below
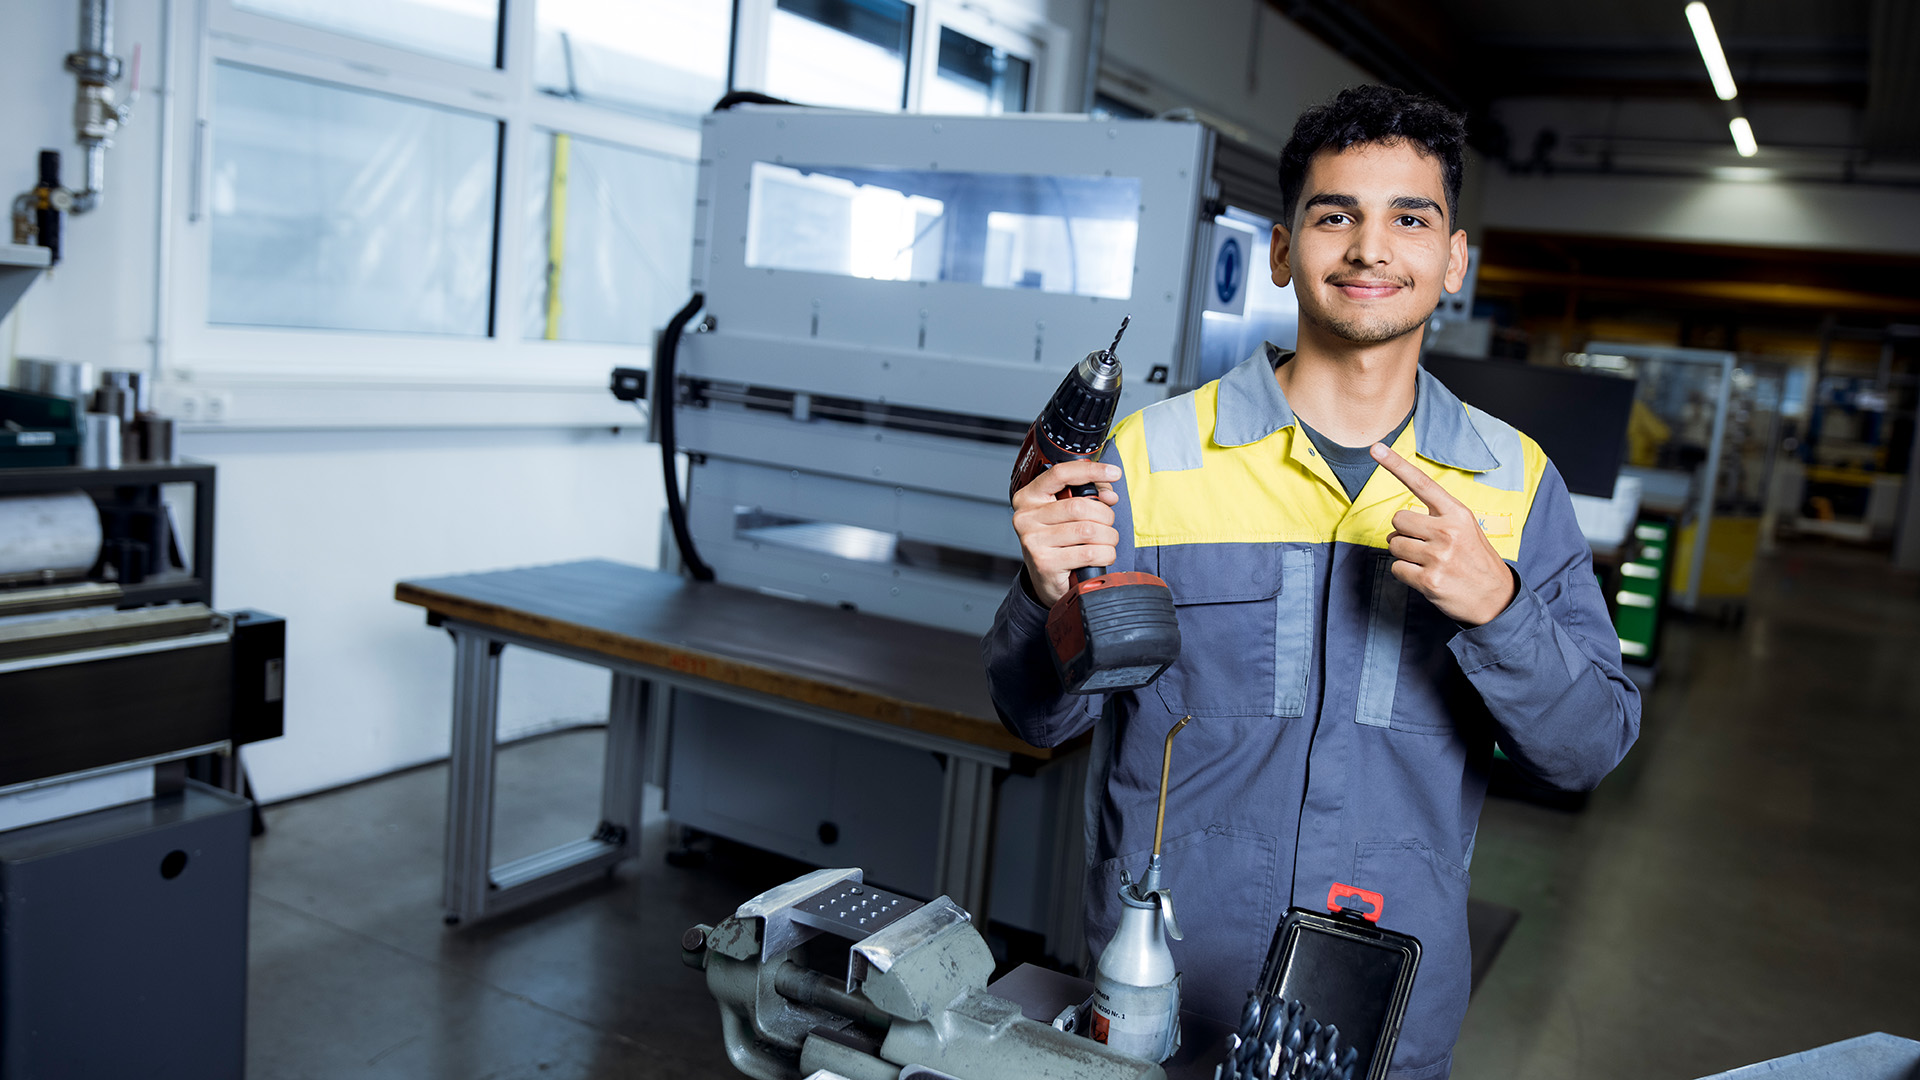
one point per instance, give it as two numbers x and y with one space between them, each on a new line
914 996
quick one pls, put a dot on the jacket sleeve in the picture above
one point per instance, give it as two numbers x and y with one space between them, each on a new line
1548 667
1020 674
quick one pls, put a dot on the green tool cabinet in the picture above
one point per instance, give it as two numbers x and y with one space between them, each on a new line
1641 594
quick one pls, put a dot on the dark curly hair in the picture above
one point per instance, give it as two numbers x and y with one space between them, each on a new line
1374 114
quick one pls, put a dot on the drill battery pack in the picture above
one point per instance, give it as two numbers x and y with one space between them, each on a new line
1112 633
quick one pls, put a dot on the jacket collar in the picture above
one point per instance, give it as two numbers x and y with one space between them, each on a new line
1251 407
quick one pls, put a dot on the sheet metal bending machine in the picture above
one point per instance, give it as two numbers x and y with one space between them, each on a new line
889 300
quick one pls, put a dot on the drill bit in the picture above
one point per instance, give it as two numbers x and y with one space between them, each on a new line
1124 320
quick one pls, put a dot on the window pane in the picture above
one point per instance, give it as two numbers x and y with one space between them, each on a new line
626 240
658 57
464 30
342 210
1059 234
976 78
846 53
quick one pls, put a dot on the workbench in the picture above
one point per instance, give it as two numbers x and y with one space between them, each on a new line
660 633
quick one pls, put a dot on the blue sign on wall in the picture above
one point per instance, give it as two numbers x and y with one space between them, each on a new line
1228 272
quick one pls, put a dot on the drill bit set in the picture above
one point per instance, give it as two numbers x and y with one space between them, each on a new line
1358 977
1277 1040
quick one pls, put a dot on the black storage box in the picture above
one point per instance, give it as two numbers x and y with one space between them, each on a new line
1347 971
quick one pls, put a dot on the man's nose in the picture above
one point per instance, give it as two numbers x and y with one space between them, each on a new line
1367 245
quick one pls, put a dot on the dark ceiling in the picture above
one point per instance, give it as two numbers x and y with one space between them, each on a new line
1862 54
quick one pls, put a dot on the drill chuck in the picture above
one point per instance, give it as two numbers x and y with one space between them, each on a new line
1074 425
1077 419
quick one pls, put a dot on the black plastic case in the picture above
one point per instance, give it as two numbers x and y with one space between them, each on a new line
1348 971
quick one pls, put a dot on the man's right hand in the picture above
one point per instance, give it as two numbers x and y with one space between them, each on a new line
1058 536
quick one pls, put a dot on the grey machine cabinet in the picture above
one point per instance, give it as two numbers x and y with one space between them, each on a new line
123 942
892 299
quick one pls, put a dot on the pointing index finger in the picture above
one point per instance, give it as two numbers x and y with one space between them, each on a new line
1424 487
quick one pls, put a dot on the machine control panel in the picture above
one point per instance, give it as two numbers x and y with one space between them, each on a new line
852 910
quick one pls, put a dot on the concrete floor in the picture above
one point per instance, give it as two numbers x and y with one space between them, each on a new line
1745 886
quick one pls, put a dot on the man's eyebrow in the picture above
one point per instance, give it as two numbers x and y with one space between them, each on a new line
1327 198
1413 202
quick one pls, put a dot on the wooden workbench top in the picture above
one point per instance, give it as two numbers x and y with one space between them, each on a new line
849 662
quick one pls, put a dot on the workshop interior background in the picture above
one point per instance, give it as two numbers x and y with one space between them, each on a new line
375 262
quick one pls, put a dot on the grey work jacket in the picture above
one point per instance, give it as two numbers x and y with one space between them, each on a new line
1343 727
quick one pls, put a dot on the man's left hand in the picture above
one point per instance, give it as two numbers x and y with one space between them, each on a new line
1443 553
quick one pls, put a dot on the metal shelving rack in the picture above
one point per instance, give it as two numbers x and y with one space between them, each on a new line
194 584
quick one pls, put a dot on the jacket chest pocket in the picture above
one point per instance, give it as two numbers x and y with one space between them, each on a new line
1246 629
1405 666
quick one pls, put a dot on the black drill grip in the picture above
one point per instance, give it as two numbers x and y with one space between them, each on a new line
1087 491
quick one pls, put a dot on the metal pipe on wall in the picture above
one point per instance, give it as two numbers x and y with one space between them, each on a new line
95 114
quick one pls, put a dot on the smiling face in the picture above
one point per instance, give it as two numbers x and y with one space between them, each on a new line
1371 247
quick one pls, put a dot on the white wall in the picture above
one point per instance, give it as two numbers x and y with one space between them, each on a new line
317 526
1239 60
98 303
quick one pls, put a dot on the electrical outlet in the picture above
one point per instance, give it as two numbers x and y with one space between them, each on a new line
219 405
187 407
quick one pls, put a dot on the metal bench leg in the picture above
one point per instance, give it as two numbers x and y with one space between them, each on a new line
476 709
625 771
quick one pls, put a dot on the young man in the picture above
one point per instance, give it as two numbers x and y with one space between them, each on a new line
1375 583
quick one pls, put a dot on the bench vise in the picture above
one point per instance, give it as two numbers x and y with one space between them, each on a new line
914 997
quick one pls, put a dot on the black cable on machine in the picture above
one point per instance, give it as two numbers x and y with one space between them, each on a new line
663 399
664 393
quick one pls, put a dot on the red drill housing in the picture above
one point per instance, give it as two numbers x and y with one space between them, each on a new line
1110 632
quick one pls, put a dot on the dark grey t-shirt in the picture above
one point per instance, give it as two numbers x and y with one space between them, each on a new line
1352 465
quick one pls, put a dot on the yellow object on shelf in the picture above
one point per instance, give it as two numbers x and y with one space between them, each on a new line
1732 545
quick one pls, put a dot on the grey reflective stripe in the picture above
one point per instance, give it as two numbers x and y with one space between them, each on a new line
1172 429
1386 625
1504 441
1293 634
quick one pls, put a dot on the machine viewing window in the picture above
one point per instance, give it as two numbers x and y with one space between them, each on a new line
1057 234
860 544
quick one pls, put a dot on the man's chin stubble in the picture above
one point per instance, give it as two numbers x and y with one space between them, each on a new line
1356 332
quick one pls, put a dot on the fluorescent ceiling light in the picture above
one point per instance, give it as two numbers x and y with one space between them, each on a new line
1745 174
1709 41
1743 136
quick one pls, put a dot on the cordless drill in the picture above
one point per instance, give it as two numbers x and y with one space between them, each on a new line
1110 632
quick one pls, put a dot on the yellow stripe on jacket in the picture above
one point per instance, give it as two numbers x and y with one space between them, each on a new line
1278 490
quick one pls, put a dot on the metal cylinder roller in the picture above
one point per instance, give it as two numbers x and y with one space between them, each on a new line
56 535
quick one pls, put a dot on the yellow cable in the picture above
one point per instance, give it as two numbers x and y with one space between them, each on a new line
557 230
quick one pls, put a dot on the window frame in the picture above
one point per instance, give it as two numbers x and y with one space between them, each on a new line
201 351
199 359
1010 25
984 28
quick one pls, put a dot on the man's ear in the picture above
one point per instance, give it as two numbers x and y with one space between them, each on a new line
1457 260
1277 255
